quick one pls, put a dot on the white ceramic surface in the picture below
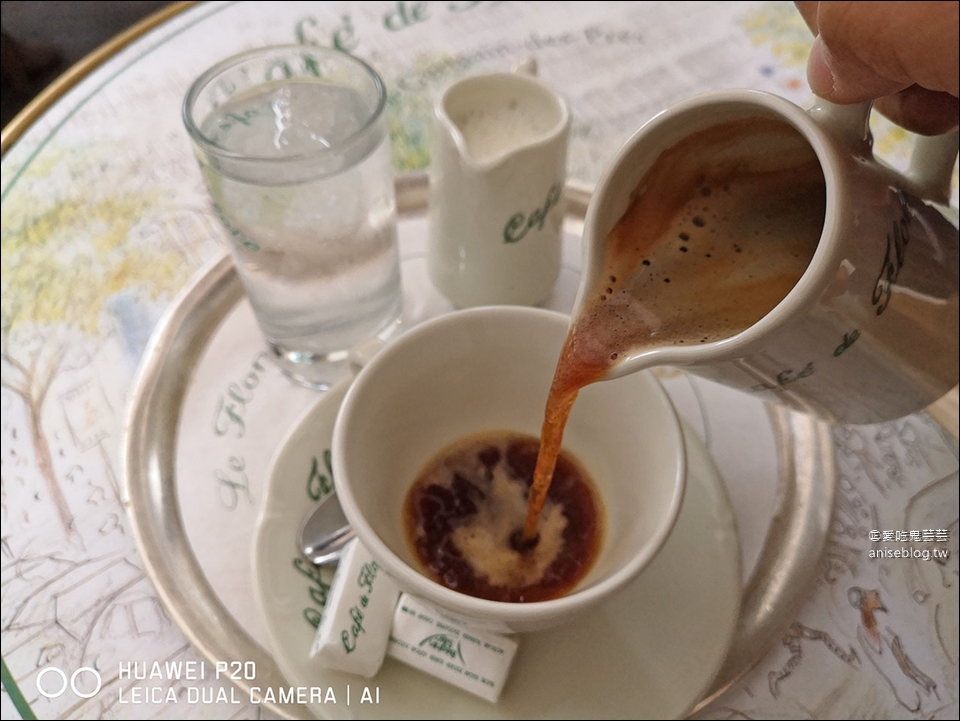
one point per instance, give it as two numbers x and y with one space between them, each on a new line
649 652
486 369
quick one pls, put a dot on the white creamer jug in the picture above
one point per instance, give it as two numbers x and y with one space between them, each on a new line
497 171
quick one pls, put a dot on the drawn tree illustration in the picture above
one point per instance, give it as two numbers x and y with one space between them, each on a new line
62 260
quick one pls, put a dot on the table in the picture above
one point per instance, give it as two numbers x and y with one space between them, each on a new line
105 219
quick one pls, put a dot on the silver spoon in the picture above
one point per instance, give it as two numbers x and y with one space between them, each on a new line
325 532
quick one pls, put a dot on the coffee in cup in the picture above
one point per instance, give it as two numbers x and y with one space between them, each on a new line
719 230
464 517
471 373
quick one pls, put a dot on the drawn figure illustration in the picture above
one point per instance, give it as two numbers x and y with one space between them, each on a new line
885 651
793 639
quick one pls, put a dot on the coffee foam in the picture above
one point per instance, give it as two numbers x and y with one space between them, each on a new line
718 232
485 540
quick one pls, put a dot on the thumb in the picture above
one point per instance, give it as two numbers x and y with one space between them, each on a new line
848 80
866 50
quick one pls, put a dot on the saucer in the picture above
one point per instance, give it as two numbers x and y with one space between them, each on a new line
649 652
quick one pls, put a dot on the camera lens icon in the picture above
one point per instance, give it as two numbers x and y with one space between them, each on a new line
46 689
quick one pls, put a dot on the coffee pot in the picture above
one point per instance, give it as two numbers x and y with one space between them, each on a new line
870 331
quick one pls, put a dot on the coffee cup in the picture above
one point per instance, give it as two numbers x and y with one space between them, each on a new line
487 369
497 171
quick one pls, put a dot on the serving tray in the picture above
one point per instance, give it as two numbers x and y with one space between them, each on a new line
209 410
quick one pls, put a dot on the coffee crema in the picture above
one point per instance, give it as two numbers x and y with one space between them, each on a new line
716 234
464 514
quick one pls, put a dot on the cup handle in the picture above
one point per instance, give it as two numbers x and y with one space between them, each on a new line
931 163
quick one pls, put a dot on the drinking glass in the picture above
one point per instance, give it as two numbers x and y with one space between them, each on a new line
294 148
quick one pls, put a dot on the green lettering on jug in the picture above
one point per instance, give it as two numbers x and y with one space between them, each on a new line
520 223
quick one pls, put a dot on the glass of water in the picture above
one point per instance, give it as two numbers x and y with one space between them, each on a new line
294 147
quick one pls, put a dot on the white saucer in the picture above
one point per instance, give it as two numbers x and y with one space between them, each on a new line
650 652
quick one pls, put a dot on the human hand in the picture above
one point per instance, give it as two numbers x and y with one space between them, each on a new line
902 55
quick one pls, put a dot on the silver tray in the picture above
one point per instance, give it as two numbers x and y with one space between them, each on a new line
778 578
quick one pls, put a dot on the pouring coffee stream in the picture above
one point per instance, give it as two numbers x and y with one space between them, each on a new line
840 298
755 244
714 236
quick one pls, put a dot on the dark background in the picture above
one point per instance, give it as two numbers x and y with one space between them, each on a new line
41 40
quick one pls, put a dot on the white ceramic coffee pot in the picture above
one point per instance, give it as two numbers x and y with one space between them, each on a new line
870 331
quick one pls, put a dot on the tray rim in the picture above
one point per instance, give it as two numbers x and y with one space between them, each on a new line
770 599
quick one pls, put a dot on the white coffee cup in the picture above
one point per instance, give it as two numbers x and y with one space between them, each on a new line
490 369
497 171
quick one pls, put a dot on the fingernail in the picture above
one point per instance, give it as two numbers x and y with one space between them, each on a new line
819 73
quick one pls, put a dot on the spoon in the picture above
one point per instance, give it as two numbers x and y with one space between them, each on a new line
325 532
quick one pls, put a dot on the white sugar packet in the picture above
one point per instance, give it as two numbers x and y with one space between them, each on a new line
432 642
355 626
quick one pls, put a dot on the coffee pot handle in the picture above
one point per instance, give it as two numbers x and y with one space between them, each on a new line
931 166
850 124
931 163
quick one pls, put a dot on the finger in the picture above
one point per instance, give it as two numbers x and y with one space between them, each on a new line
866 50
921 111
808 11
846 79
